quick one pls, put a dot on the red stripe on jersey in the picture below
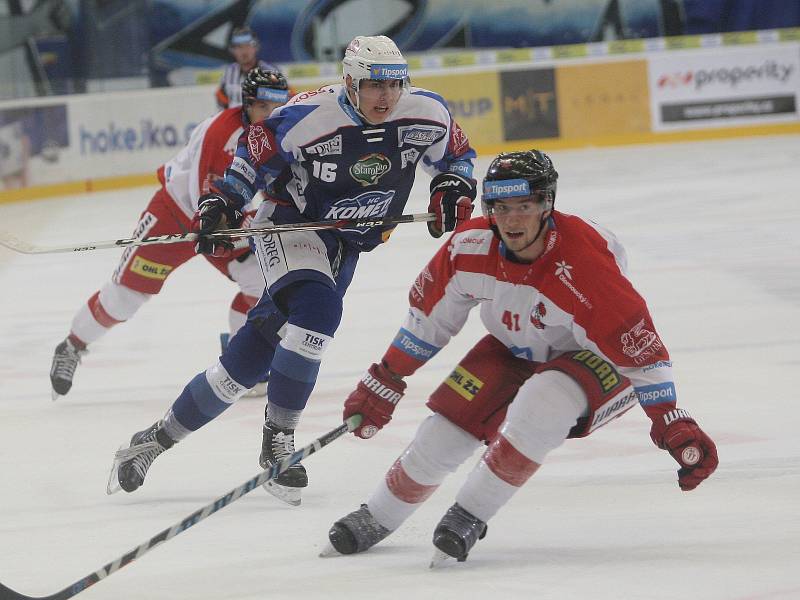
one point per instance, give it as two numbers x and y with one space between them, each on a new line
215 154
508 463
99 313
427 289
405 488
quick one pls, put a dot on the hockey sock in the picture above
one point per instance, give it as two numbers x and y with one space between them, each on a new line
111 305
285 418
438 448
315 311
495 479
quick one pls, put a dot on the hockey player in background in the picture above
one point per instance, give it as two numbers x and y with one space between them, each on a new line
570 346
243 47
143 270
336 152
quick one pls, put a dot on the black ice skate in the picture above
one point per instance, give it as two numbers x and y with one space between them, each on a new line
62 370
277 444
456 534
356 532
132 462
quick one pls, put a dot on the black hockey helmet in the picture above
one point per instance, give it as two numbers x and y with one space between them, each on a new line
519 174
261 84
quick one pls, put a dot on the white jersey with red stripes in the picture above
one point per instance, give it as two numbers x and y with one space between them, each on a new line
575 296
210 150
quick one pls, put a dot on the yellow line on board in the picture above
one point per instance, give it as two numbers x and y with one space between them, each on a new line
127 181
76 187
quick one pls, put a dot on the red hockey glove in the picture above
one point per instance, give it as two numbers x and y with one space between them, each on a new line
451 202
215 211
678 433
374 398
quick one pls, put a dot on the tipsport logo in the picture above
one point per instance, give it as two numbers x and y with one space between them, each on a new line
388 71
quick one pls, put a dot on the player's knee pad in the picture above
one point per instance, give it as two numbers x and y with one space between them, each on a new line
299 354
313 305
120 302
546 407
439 447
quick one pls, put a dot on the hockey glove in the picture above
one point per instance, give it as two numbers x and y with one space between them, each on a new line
374 398
215 211
451 202
678 433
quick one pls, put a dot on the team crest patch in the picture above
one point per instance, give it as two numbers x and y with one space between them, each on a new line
538 312
639 343
419 135
370 168
258 142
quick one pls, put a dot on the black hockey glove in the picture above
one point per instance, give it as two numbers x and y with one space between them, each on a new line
215 211
451 202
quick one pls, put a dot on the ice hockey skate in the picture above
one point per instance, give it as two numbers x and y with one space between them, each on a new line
356 532
276 445
131 462
456 534
62 370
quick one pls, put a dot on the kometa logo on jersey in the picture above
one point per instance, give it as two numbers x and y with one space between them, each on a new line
364 206
258 141
370 168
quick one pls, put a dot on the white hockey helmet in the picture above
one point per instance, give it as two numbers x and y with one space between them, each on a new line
373 57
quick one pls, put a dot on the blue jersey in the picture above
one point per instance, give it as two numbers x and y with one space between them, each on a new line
318 160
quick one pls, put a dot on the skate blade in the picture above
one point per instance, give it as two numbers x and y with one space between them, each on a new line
54 395
289 495
439 559
329 551
113 486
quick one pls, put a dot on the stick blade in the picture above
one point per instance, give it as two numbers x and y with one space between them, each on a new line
12 242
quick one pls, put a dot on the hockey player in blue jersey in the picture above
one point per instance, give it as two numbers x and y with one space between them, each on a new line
339 151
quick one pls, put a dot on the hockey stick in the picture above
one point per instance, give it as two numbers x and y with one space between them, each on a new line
193 519
17 245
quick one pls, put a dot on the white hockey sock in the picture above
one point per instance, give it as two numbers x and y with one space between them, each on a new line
484 493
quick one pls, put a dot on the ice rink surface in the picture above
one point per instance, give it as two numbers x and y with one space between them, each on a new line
711 230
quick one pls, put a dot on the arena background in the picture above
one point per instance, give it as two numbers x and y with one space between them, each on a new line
98 93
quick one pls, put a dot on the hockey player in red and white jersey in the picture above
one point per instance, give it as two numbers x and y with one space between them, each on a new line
570 346
142 270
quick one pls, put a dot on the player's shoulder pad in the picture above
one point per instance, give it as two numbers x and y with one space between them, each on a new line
591 245
429 98
472 237
317 96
